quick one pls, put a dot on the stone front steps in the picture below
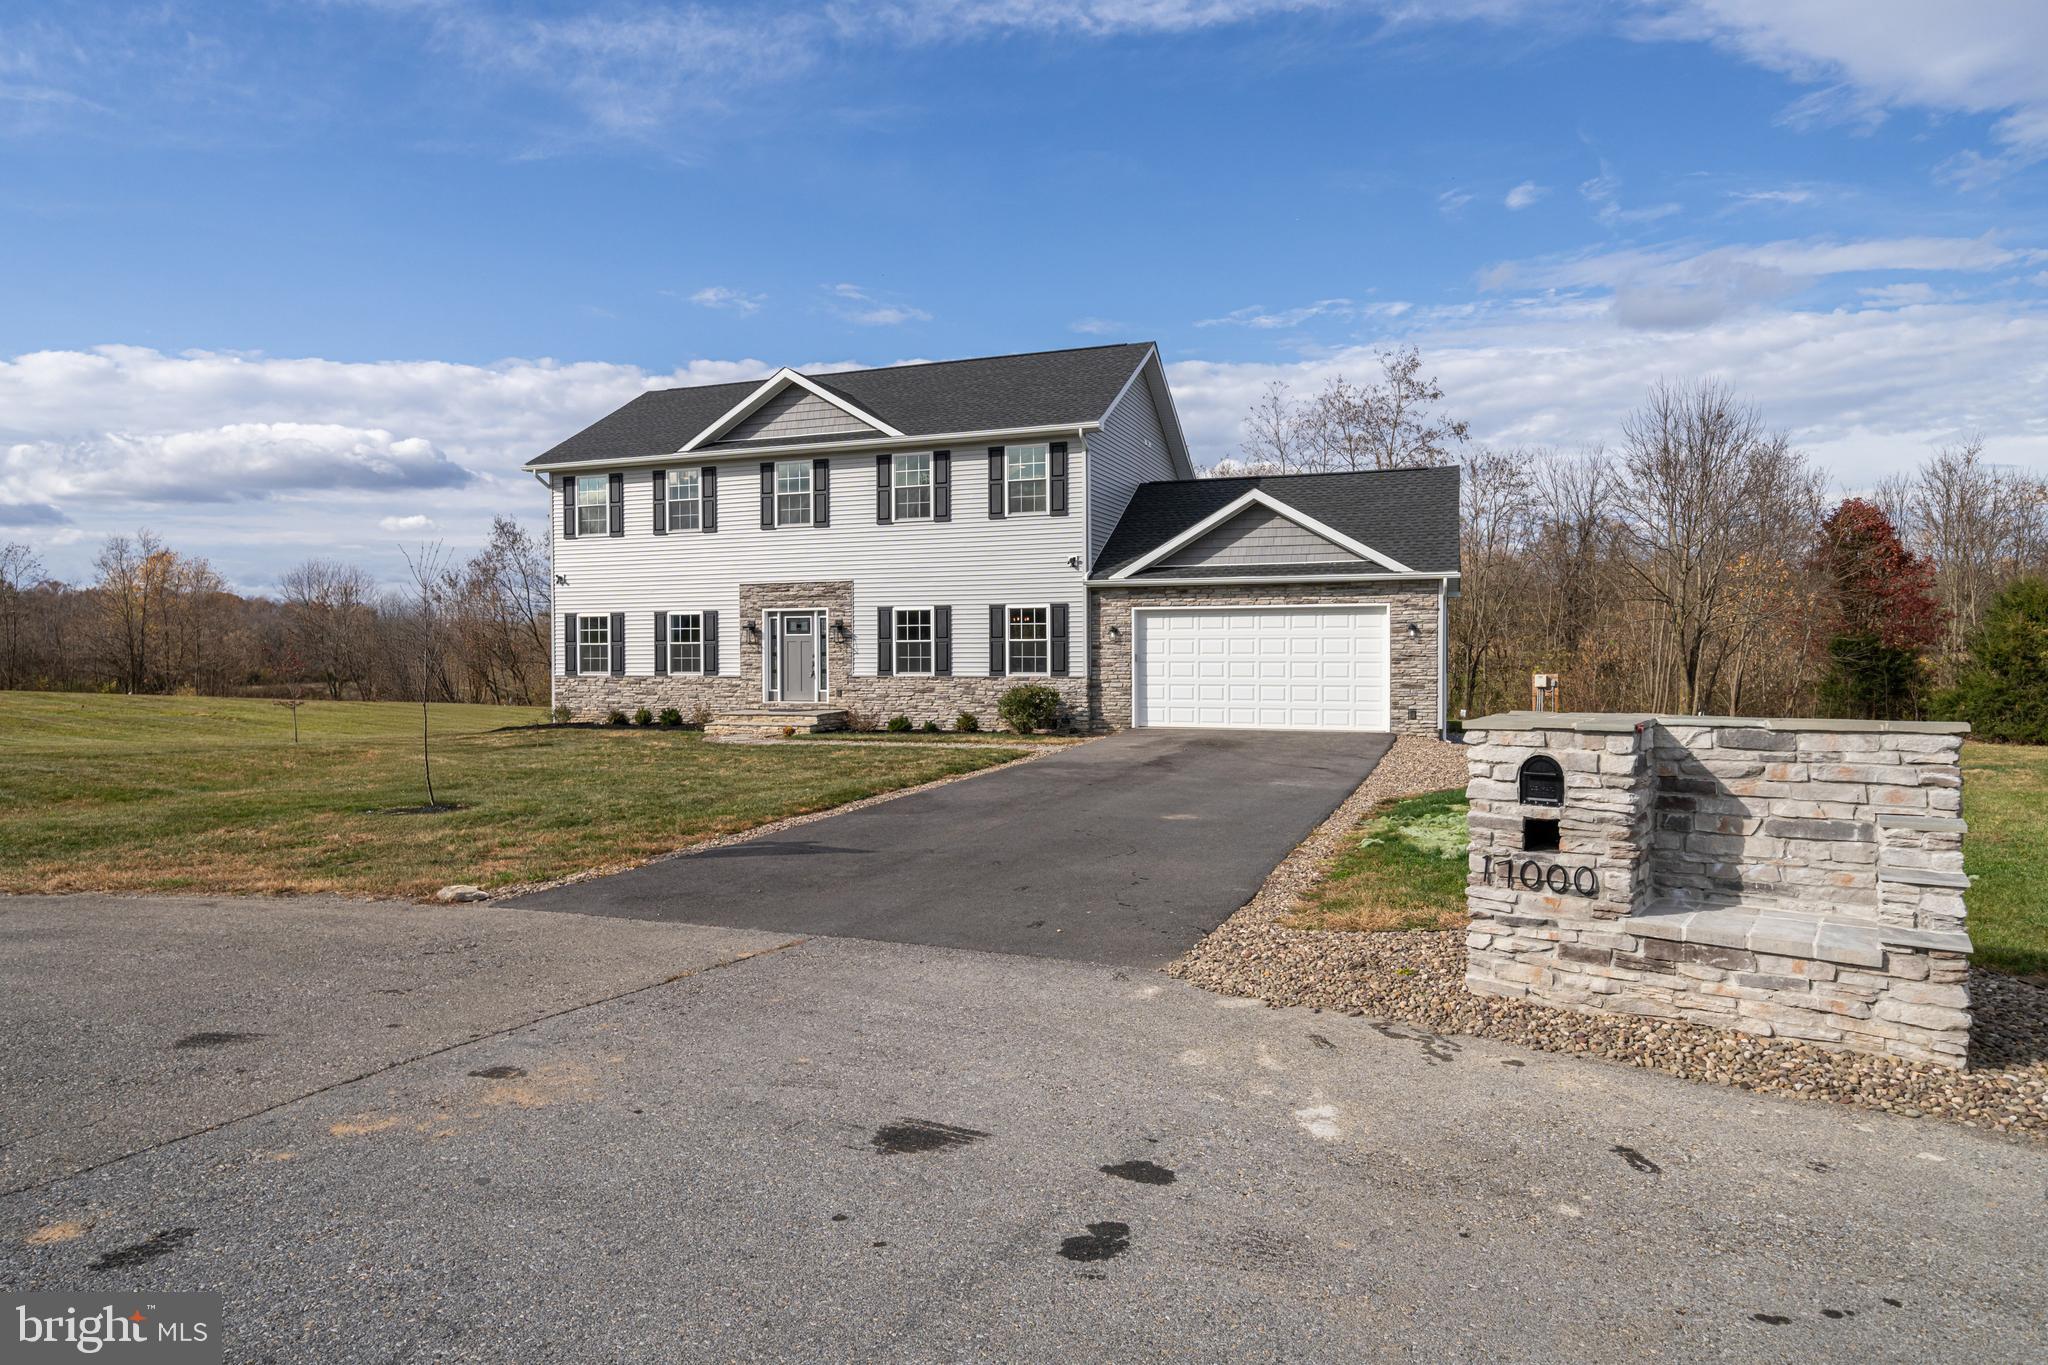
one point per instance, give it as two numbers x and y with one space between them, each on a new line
764 722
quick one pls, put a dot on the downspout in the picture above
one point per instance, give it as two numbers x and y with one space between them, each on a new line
547 481
1443 657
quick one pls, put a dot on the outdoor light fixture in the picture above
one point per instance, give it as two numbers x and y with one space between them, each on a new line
1116 632
1413 630
561 580
839 630
1073 561
752 630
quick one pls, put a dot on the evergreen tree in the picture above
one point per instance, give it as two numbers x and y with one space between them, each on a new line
2003 688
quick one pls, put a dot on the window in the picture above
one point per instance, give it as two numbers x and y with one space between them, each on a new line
793 493
1026 479
913 479
685 508
914 641
593 636
593 505
685 642
1030 639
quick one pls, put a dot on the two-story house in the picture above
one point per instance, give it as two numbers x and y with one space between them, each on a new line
916 540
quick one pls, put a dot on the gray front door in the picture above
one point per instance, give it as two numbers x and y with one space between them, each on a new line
798 668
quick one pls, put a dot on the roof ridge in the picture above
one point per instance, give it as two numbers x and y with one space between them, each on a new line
1304 474
977 359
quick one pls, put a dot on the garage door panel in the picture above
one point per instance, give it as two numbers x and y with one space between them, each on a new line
1292 668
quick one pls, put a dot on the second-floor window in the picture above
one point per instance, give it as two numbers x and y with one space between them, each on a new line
685 506
685 642
793 493
593 633
1025 472
593 505
913 479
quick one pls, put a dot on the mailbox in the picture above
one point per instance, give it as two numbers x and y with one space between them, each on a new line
1541 781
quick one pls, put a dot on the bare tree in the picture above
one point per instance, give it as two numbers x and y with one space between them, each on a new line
1391 424
131 591
1272 433
20 571
1980 526
332 609
1496 517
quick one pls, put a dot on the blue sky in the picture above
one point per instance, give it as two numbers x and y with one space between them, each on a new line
294 279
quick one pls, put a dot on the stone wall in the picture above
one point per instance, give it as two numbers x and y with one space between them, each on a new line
1786 878
1413 701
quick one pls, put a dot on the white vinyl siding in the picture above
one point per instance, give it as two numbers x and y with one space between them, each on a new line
912 476
913 640
685 508
593 505
967 563
1293 668
793 493
1129 449
594 644
1026 479
685 642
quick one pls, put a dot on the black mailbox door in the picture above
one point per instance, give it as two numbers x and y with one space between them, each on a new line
1542 782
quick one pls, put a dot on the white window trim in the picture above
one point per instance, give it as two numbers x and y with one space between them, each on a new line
931 642
810 493
1010 641
604 619
695 501
1045 479
603 503
671 644
896 486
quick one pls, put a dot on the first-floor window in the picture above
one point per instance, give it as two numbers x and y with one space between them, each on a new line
593 644
593 505
685 642
684 505
793 493
913 487
914 641
1030 640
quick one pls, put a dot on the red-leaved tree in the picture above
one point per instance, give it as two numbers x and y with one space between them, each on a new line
1880 598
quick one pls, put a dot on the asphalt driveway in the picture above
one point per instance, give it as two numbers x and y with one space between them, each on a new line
1124 851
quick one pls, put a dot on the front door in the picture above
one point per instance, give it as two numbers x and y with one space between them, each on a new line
797 665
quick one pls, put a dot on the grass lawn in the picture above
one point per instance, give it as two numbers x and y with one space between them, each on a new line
996 737
210 794
1399 877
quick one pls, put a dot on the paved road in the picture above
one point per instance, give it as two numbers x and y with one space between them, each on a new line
1125 851
841 1150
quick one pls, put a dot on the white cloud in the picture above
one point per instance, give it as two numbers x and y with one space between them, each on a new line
1096 327
1525 194
1603 192
1771 197
407 525
729 300
869 311
1256 316
1452 202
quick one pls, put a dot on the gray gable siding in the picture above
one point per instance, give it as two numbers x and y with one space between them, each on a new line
794 414
1130 449
1258 536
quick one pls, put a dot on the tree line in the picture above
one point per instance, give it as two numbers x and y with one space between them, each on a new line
157 620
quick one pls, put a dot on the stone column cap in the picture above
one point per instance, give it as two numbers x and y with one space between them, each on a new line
1623 722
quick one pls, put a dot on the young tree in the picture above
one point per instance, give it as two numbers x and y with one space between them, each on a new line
1494 490
2003 689
20 571
1880 613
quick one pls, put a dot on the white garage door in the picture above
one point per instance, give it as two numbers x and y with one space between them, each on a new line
1291 668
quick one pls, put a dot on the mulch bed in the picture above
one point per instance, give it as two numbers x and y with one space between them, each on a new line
1418 978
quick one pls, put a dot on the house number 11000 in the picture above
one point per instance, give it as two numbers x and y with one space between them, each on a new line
1534 876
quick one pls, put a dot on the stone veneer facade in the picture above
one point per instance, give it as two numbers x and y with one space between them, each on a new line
1789 878
1414 707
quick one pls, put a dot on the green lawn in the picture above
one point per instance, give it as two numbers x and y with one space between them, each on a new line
1398 877
210 794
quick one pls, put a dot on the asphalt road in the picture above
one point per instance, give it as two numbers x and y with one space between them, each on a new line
1126 850
840 1150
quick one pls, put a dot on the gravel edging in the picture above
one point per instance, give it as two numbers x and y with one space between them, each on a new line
1417 977
1030 755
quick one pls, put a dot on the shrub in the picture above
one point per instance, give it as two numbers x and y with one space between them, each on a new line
967 722
899 725
1028 707
643 717
670 718
561 713
615 717
931 727
857 719
788 731
700 716
2003 689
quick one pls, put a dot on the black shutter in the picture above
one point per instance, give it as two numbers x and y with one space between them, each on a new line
569 644
618 503
767 495
710 643
707 488
942 485
661 502
998 643
942 641
1058 652
821 492
995 483
568 507
1057 467
618 643
885 641
885 494
661 644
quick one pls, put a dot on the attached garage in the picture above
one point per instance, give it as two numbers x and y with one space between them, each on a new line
1315 667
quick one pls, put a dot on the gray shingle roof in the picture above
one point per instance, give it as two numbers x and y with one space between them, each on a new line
994 393
1409 515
